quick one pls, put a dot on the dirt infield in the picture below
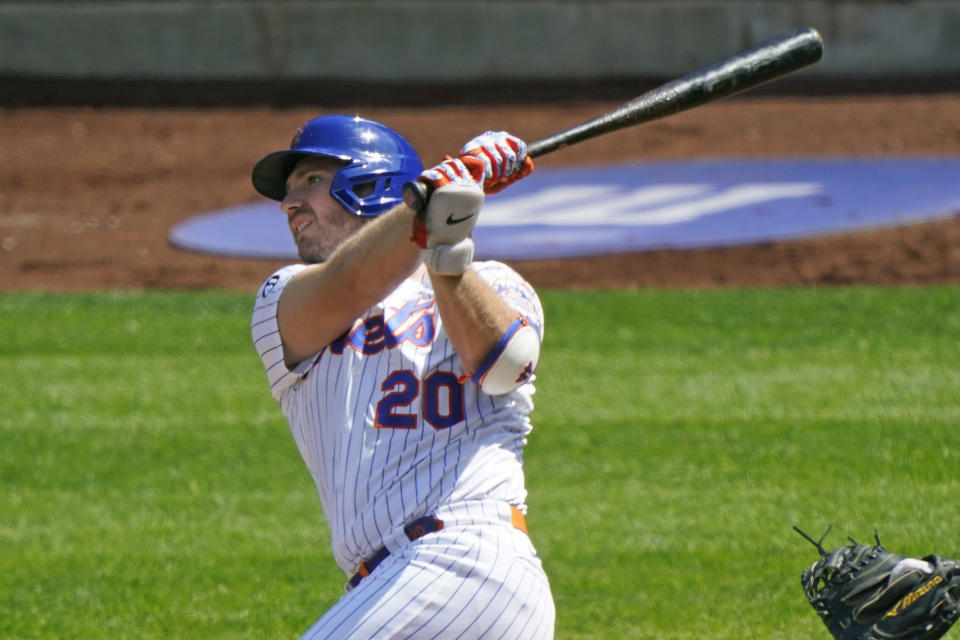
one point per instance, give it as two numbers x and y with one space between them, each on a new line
89 195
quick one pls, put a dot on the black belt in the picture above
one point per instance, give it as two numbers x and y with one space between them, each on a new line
415 530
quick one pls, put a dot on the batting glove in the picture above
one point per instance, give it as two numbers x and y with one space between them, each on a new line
504 158
442 230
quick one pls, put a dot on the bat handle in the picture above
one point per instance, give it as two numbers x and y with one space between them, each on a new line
540 147
416 194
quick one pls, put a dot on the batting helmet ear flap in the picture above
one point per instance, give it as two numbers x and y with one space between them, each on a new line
378 161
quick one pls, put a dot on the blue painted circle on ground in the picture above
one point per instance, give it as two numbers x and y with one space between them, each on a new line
593 210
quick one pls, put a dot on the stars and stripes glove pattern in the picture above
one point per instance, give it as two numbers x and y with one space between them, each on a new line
504 159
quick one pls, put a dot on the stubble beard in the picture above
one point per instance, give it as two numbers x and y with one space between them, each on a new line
319 248
311 252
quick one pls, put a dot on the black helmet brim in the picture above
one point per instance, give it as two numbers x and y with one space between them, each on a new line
271 172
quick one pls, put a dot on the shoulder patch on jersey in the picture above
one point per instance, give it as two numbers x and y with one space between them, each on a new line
269 286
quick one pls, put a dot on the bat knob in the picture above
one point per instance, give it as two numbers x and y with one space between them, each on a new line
416 194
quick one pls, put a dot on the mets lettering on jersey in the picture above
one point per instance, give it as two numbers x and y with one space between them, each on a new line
414 322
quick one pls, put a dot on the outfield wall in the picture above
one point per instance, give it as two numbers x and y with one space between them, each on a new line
459 40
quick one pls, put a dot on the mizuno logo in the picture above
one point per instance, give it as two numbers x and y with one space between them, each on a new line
912 597
452 220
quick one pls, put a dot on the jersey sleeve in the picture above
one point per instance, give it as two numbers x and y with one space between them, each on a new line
516 291
266 333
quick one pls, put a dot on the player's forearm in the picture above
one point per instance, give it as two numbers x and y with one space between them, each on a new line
496 348
321 302
474 316
373 262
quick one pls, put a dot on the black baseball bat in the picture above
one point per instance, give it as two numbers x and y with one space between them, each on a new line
750 68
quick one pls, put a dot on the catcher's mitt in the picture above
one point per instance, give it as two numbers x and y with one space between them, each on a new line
864 592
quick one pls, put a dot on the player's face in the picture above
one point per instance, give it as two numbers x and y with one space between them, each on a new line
318 222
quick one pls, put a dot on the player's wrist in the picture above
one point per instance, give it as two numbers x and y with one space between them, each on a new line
448 259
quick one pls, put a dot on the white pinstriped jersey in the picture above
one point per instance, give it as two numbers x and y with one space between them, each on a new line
385 421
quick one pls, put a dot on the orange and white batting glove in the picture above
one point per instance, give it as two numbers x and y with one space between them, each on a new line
442 230
504 157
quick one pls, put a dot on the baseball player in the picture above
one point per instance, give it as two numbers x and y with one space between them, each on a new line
404 369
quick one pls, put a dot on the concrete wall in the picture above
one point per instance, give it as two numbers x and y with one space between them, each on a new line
457 40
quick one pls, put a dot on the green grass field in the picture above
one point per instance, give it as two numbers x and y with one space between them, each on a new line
151 489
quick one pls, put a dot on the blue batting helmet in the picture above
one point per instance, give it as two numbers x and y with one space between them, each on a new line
375 157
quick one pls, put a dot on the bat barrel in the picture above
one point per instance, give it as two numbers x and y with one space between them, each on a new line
755 66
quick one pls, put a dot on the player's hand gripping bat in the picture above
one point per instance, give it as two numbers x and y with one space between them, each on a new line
765 62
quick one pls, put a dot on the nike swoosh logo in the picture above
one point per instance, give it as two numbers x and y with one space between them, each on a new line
452 220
